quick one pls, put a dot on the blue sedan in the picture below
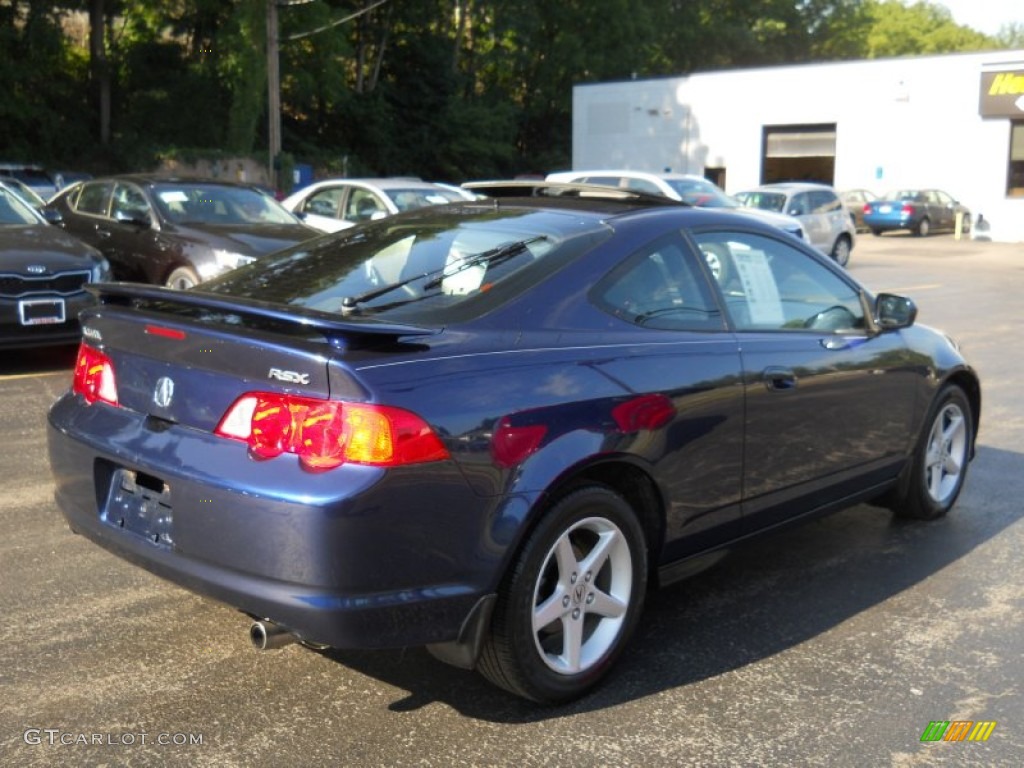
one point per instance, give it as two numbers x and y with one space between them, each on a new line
488 428
921 211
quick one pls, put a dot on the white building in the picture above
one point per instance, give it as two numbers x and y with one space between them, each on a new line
954 122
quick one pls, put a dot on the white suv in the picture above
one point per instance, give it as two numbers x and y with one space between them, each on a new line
816 206
689 188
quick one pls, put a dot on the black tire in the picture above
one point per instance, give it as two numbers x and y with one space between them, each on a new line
876 232
549 580
841 251
939 463
182 278
924 227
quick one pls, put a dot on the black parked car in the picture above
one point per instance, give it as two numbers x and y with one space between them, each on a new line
487 428
43 274
176 232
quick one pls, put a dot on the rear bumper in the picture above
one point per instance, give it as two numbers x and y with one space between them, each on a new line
353 558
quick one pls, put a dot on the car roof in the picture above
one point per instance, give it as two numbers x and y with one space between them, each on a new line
389 182
626 174
790 186
157 178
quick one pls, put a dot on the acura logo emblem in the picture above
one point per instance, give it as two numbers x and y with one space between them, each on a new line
164 392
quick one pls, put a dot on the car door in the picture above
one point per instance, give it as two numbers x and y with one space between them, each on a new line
799 205
132 237
947 205
86 217
323 208
829 400
680 348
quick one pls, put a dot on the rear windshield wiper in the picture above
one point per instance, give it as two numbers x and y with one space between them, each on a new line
350 304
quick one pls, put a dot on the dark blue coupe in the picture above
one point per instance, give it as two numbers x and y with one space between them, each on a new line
489 427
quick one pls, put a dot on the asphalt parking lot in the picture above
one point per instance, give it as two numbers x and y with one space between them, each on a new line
832 644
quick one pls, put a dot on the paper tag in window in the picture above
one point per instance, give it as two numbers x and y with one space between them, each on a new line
759 287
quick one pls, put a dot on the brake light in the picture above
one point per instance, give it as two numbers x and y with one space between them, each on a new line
94 376
907 209
326 433
867 208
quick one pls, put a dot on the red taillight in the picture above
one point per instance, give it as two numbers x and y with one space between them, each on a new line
326 433
907 209
94 376
867 208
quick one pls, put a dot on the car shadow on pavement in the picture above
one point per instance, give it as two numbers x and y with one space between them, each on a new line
768 596
20 362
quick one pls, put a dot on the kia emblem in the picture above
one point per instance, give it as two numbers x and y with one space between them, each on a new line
36 269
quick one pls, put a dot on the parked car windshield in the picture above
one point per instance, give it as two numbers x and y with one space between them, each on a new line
196 203
702 194
767 201
432 266
14 210
409 199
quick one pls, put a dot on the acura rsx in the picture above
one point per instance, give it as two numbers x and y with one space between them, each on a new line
488 428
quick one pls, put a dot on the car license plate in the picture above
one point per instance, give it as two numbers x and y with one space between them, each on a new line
41 311
140 504
885 209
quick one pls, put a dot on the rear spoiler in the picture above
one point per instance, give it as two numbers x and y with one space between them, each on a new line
331 325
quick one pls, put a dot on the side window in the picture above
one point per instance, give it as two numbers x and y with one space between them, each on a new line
362 205
823 201
798 205
768 285
94 199
326 202
130 204
662 287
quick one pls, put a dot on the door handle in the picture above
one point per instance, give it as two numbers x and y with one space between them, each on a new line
779 379
104 233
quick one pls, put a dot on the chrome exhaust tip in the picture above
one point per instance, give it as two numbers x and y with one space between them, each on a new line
266 635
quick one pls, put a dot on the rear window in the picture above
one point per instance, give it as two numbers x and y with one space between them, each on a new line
432 266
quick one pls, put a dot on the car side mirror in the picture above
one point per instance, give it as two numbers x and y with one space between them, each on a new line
892 311
52 215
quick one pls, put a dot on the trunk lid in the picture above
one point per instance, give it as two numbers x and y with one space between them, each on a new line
184 357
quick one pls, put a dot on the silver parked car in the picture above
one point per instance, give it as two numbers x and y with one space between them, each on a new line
336 204
692 189
816 206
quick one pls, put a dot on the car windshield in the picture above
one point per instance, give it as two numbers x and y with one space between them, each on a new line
432 266
14 211
703 194
218 204
420 197
766 201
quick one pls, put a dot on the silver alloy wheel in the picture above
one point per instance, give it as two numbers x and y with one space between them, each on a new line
946 455
582 595
841 252
924 227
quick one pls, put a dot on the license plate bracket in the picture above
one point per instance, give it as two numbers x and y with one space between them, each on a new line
140 504
41 311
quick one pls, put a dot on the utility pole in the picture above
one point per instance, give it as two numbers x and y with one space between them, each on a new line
273 93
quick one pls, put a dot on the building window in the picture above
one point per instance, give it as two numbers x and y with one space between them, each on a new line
1015 176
